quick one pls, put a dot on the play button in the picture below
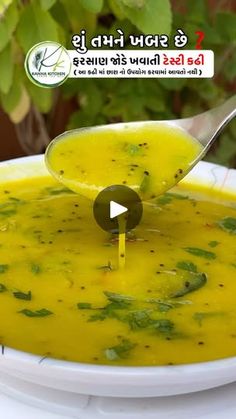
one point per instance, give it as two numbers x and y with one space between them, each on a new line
114 201
116 209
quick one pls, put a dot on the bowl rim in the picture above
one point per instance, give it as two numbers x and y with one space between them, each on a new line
221 178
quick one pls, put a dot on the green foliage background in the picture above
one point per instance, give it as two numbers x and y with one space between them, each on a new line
24 23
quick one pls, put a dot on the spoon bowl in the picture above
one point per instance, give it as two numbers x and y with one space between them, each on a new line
202 130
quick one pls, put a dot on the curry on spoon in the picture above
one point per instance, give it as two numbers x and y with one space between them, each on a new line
149 157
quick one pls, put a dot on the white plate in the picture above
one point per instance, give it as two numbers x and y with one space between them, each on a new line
117 381
218 403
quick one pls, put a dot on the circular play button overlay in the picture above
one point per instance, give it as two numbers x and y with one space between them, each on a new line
114 202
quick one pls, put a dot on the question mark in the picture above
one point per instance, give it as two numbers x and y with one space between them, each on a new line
201 36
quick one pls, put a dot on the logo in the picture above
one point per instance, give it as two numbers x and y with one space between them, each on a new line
47 64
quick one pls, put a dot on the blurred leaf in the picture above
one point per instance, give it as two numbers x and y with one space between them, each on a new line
190 29
10 100
226 26
22 108
8 24
124 100
79 18
206 90
94 6
70 88
6 66
154 16
16 102
173 84
47 4
212 36
62 36
59 14
126 26
197 11
134 3
35 25
115 8
225 153
191 109
152 94
82 119
230 66
90 97
41 98
232 127
4 5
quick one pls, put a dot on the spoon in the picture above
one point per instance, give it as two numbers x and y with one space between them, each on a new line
204 128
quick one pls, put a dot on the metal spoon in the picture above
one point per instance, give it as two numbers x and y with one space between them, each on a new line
204 127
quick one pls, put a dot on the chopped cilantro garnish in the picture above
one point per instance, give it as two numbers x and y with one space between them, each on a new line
144 185
112 296
22 295
200 316
133 149
192 283
2 288
213 243
200 252
35 268
168 197
228 224
58 191
3 268
84 306
43 312
187 266
120 351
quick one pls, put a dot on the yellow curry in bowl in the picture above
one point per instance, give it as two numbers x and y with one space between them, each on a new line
63 296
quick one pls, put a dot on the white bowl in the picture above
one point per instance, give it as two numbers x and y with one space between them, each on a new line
117 381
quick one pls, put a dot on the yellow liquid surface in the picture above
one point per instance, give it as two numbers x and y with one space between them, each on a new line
149 159
62 295
122 237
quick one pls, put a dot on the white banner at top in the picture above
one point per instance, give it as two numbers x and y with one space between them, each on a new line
142 64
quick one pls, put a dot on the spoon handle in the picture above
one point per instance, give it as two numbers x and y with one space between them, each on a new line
219 118
206 126
209 124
